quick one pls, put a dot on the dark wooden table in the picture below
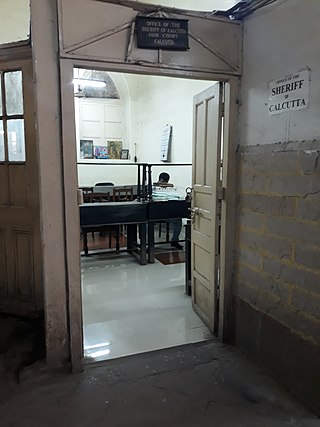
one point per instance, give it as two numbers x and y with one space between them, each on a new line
98 216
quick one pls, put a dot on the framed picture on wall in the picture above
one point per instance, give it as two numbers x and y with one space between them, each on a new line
101 152
86 149
124 154
114 149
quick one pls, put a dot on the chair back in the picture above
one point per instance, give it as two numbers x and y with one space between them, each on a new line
104 184
86 190
122 194
96 197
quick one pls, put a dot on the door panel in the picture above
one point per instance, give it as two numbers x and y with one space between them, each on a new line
4 197
206 168
18 185
3 276
23 264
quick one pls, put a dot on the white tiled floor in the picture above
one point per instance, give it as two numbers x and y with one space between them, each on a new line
129 308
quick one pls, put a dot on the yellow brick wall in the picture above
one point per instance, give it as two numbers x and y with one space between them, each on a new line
277 254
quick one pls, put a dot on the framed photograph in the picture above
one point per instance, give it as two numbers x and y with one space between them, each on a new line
101 152
124 154
86 149
114 149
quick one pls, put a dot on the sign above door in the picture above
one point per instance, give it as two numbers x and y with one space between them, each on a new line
162 33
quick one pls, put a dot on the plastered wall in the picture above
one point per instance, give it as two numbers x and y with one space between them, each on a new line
278 41
151 103
14 20
277 268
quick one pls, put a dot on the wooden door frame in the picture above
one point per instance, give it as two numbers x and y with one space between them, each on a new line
72 209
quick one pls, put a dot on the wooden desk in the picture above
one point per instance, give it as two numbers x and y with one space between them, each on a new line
95 216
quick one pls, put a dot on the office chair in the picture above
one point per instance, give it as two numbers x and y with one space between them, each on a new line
104 184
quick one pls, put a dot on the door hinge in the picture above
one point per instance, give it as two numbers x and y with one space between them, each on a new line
222 109
221 193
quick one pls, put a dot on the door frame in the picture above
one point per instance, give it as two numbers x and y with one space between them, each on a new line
70 184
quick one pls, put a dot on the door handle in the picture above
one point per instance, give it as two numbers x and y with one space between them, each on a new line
194 212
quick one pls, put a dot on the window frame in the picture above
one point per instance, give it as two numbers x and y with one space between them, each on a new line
5 118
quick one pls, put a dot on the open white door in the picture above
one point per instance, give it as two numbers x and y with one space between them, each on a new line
205 223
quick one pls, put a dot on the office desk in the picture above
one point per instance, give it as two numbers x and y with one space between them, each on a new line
109 189
95 216
164 210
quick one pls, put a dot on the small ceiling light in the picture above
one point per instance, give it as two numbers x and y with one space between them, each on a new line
87 82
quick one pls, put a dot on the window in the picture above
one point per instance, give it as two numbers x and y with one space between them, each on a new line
12 137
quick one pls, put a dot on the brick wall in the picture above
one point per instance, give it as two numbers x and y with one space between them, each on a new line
277 269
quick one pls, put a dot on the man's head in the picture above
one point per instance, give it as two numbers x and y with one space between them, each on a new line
164 177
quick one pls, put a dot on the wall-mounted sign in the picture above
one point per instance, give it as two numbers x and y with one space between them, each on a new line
165 142
290 93
162 33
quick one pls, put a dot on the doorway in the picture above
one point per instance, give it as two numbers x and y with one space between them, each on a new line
130 308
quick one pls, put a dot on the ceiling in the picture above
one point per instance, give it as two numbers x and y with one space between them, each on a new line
233 9
202 5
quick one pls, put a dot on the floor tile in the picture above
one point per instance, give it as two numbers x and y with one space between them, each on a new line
129 308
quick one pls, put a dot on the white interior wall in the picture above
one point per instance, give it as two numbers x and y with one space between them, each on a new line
279 41
152 102
157 101
14 20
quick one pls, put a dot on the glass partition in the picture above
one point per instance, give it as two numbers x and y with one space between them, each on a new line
12 133
2 155
13 89
16 141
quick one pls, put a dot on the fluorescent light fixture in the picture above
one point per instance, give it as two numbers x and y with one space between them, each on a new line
88 82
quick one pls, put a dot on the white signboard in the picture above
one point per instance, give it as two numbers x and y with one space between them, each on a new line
290 93
165 142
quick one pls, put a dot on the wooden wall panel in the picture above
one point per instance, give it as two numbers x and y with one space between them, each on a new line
23 264
105 32
3 269
18 185
4 200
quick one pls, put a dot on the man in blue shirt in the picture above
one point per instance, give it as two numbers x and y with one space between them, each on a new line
163 181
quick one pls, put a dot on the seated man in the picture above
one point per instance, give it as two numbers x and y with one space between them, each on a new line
163 181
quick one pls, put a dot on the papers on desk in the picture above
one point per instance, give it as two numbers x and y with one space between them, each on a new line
164 194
